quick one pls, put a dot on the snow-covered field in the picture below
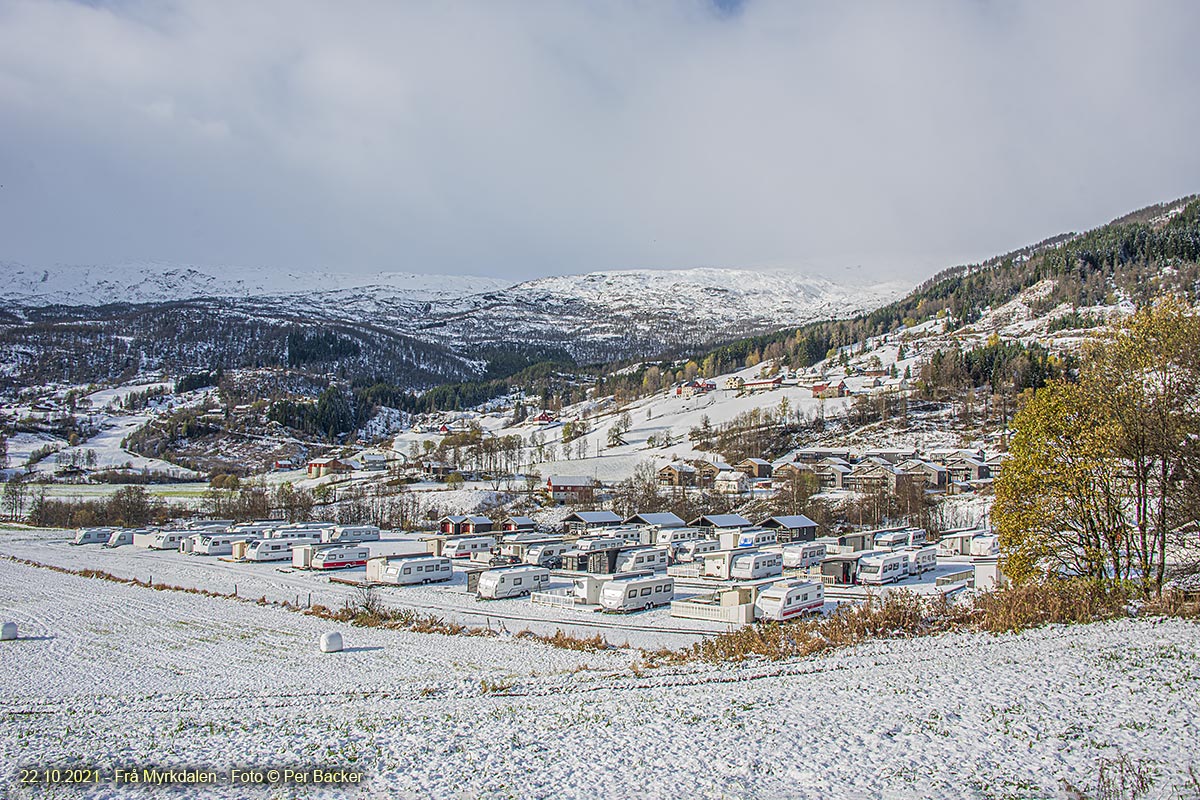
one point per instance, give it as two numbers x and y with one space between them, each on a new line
109 674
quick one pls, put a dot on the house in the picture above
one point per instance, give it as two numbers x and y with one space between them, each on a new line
944 456
580 522
734 383
699 386
831 473
373 461
571 488
934 475
320 467
544 417
720 521
732 482
827 390
518 525
786 473
707 472
994 462
677 473
464 525
438 469
791 528
965 469
664 519
874 475
811 455
762 384
892 455
281 464
755 467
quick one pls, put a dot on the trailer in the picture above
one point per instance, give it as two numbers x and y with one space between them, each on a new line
338 557
645 557
465 546
676 536
880 568
789 599
409 570
270 549
498 584
751 566
92 535
921 559
545 554
599 543
803 556
348 534
637 593
985 546
905 537
694 549
119 537
219 544
159 540
756 537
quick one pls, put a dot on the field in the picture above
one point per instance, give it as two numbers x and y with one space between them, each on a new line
109 674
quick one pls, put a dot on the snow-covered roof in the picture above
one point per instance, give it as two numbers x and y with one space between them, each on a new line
665 519
789 521
572 480
593 517
721 521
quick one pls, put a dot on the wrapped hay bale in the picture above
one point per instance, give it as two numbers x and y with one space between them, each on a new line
8 631
331 642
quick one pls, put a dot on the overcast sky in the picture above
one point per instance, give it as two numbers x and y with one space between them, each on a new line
518 139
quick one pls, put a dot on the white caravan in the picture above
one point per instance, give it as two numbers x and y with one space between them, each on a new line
605 543
881 568
695 549
790 599
984 546
219 544
752 566
639 558
909 537
348 534
497 584
757 537
466 546
119 537
803 555
339 557
92 535
545 553
409 570
637 593
921 559
273 549
676 536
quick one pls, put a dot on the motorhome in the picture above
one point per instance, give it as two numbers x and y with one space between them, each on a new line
639 558
695 549
347 534
672 537
881 568
92 535
803 556
119 537
340 557
273 549
497 584
752 566
219 544
409 570
637 593
788 600
546 554
465 546
921 559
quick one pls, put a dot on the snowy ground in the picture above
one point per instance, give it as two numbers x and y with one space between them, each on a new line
107 675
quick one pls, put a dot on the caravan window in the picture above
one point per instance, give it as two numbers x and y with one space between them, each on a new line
420 569
633 592
647 592
517 582
408 570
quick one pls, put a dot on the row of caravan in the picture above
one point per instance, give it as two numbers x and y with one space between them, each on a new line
889 567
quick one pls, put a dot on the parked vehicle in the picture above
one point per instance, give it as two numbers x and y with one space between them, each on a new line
676 536
803 556
921 559
92 535
409 570
273 549
752 566
546 554
119 537
639 558
158 539
637 593
983 546
881 568
789 599
695 549
219 544
347 534
757 537
909 537
340 557
599 543
497 584
464 547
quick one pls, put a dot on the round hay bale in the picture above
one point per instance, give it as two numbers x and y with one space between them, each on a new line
331 642
8 631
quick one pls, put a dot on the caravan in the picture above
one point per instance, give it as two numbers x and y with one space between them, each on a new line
339 557
497 584
803 556
906 537
348 534
272 549
119 537
673 537
789 599
637 593
219 544
546 554
881 568
92 535
466 546
921 559
639 558
757 537
409 570
694 550
755 565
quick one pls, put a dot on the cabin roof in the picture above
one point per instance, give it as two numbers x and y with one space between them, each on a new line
664 519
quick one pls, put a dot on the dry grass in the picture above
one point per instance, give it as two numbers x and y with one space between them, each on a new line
565 641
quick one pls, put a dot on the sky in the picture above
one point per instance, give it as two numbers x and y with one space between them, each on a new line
856 141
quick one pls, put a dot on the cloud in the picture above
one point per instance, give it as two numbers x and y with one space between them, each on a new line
519 139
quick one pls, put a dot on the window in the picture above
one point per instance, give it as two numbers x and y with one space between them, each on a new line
647 592
633 592
420 569
408 570
516 581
